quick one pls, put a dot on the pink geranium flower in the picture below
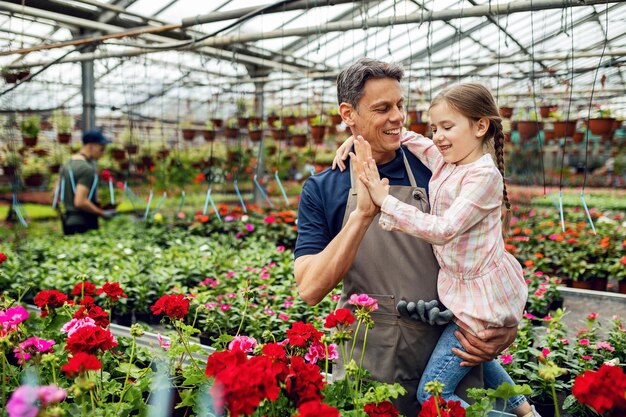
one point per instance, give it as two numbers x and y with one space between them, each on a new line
31 346
364 300
506 358
244 343
71 326
11 318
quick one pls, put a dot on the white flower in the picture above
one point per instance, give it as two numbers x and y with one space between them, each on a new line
61 255
204 248
128 251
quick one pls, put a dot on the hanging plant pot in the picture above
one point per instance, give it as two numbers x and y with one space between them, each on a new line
14 77
208 135
335 119
271 119
54 168
617 124
124 165
421 128
506 112
564 129
188 134
279 134
118 154
29 141
34 180
548 135
546 110
298 140
317 134
217 122
528 129
231 132
289 120
163 153
9 170
147 160
255 135
255 120
64 138
578 137
413 115
132 149
601 126
242 122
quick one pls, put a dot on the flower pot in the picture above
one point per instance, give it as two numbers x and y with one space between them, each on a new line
188 134
163 153
34 180
564 129
271 119
255 120
546 110
41 152
54 169
506 112
279 134
578 137
595 284
208 135
29 142
548 135
298 140
601 126
544 406
64 138
242 122
289 120
132 149
621 286
255 135
218 122
335 119
147 160
9 171
419 127
317 133
231 132
528 129
118 154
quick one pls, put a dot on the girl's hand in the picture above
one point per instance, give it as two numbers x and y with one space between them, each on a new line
342 154
378 189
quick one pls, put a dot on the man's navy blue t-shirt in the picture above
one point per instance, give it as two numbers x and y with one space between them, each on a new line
324 196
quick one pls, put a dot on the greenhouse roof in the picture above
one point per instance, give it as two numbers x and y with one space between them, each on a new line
169 59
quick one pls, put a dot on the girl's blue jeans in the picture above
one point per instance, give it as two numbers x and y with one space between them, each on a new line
445 367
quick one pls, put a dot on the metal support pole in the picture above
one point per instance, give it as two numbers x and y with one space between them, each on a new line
260 167
88 88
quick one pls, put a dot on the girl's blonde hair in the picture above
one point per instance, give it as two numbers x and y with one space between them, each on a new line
475 102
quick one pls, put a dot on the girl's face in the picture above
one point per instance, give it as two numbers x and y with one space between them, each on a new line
459 139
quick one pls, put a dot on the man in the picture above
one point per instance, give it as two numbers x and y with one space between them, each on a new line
339 239
78 175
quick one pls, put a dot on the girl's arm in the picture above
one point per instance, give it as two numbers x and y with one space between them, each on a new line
481 193
423 148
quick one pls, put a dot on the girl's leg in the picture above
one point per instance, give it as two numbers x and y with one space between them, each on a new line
494 375
445 367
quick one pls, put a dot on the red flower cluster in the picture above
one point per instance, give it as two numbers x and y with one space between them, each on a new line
174 306
603 390
341 316
98 315
446 408
3 258
48 300
112 290
80 363
84 288
301 334
317 409
90 340
304 382
382 409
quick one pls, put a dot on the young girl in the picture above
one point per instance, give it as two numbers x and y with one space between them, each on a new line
479 281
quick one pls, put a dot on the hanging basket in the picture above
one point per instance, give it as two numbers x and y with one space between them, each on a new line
279 134
578 137
421 128
64 138
299 141
34 180
118 154
546 110
242 122
188 134
548 135
601 126
208 135
54 169
255 135
506 112
231 132
528 129
147 161
289 120
335 119
218 122
29 142
132 149
564 129
317 134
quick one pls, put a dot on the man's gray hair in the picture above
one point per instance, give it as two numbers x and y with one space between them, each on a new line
351 80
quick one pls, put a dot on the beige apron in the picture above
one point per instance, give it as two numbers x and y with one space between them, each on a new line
390 266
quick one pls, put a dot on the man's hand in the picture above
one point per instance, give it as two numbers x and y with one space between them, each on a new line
484 347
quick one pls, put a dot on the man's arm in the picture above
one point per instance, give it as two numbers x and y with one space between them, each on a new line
82 202
484 348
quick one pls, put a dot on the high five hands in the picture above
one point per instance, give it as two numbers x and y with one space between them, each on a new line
365 167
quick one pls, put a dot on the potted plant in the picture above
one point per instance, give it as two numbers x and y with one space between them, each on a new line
279 132
62 123
298 136
118 153
528 124
255 131
56 158
34 171
506 112
546 109
602 123
563 128
30 129
187 130
335 117
231 131
319 124
129 138
14 76
11 162
209 131
272 117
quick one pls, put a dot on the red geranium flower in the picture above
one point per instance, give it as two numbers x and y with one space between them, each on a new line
446 408
275 351
341 316
98 315
112 290
3 257
80 363
90 340
84 288
382 409
604 389
174 306
317 409
304 382
49 299
301 334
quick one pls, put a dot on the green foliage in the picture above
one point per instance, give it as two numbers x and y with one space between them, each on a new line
30 125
